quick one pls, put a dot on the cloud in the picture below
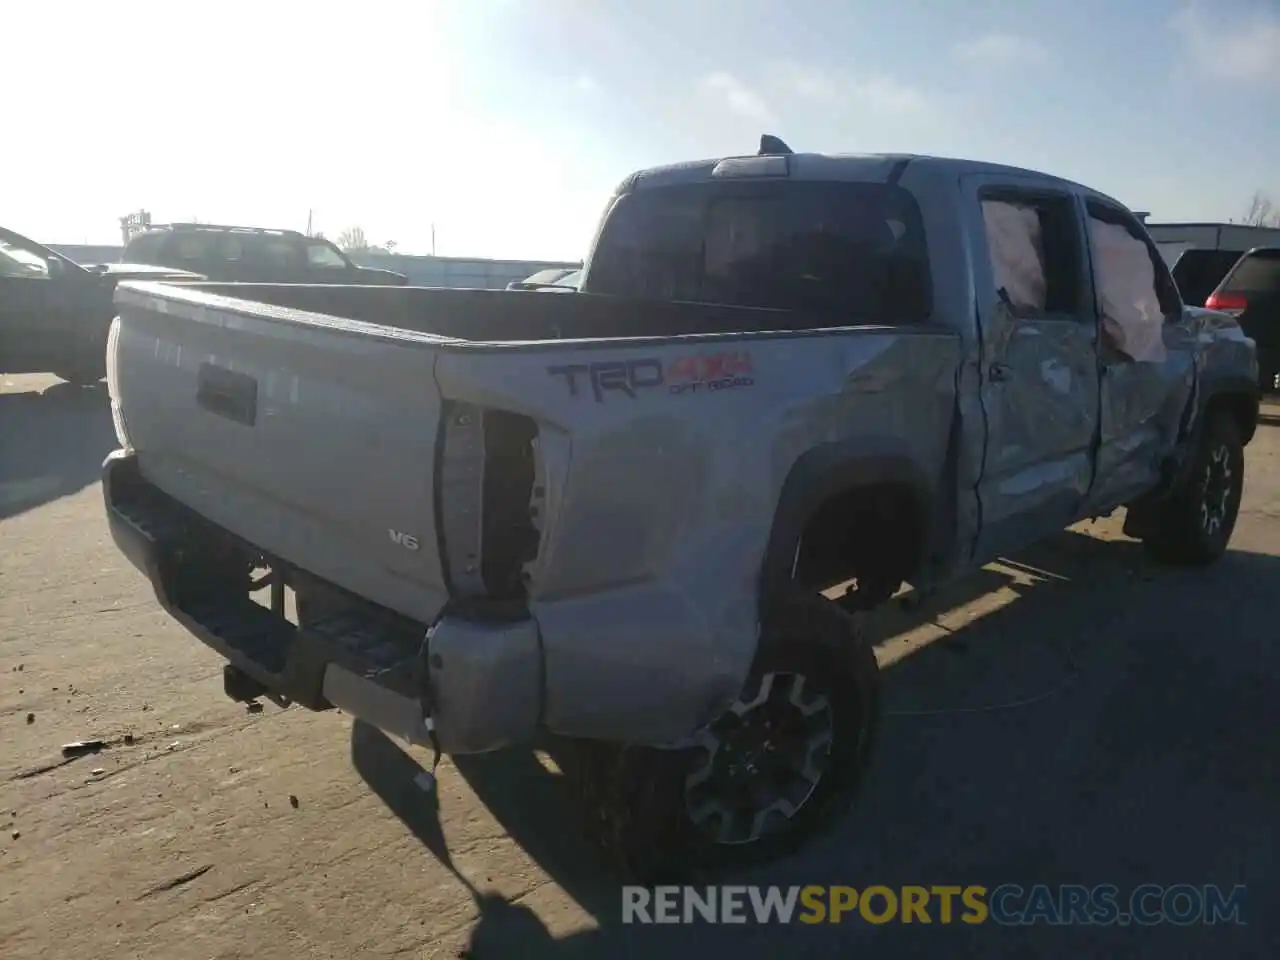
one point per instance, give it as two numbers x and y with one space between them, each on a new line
1246 49
878 93
738 97
1002 50
584 83
885 95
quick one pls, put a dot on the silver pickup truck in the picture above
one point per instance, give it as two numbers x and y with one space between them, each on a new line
476 518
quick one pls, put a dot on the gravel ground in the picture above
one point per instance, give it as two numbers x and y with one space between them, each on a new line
204 830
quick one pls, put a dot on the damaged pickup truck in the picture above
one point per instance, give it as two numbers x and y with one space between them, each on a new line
610 519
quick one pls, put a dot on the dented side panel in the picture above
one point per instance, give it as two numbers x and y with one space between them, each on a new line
1041 418
660 498
1038 391
1150 411
1143 408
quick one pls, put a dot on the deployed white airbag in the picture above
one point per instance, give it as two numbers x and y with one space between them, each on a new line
1132 320
1017 253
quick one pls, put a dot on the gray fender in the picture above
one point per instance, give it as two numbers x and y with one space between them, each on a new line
1234 385
1143 513
826 471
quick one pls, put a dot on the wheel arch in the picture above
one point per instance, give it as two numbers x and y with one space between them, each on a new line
1237 396
828 473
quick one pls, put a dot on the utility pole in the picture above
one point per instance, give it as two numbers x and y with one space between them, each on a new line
433 239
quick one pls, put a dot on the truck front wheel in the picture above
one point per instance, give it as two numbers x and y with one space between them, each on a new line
779 764
1195 526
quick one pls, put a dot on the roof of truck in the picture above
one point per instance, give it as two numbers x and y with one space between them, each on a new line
193 227
844 166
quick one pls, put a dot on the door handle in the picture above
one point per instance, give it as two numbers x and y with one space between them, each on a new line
999 372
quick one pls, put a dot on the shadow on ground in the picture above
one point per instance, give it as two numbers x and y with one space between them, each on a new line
1145 755
52 444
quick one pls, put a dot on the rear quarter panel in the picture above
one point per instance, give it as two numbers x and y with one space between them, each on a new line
660 499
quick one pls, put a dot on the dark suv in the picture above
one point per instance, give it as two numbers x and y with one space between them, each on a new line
1251 292
55 313
252 255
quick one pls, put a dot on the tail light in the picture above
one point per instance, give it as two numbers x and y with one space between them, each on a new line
488 506
1232 303
113 385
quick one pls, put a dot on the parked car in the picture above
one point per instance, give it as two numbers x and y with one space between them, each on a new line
55 313
614 516
554 280
1200 254
1251 293
252 255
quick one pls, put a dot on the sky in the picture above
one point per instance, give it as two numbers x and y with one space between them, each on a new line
507 124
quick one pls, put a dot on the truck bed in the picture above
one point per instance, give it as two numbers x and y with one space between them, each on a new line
511 315
307 420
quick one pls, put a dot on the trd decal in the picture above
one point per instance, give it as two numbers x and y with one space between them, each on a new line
697 373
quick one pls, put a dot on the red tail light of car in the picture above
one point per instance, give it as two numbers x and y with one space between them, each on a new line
1233 303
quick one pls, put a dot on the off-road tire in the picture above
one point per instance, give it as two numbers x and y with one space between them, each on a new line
634 797
1179 534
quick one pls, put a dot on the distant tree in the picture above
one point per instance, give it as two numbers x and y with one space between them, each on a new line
353 240
1262 211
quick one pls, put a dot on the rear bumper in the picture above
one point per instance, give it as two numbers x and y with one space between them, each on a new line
479 682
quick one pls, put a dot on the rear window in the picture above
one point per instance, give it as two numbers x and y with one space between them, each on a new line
144 249
854 248
1198 273
201 246
277 253
1257 272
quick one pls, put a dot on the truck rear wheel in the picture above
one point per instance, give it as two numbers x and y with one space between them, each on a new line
1195 526
779 764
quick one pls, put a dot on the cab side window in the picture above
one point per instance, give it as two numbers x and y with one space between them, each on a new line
19 263
196 249
1163 287
1034 244
279 255
1134 290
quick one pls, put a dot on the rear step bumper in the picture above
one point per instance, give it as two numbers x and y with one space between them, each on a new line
480 682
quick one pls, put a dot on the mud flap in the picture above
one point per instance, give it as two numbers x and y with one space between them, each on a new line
422 683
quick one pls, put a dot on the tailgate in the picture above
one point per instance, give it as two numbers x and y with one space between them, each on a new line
312 438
